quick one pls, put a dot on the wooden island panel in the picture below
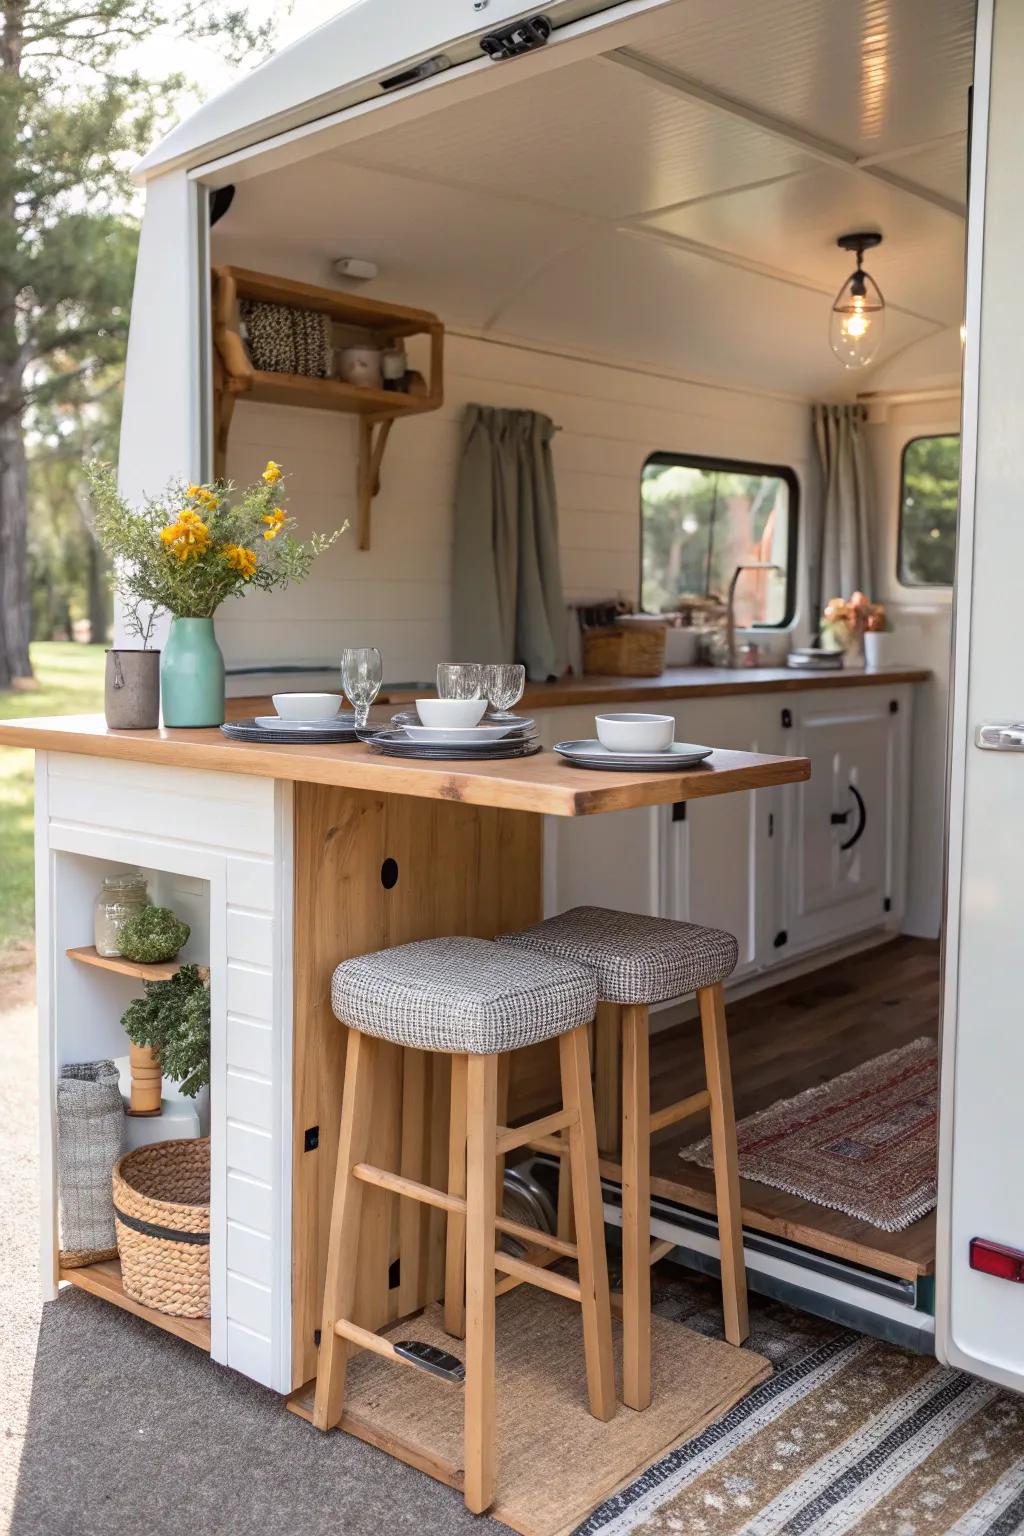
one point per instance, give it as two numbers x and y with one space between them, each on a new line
457 869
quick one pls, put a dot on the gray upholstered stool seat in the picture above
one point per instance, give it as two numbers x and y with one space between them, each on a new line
636 959
464 996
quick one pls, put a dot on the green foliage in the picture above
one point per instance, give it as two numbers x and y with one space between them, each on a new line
188 550
174 1018
153 935
930 496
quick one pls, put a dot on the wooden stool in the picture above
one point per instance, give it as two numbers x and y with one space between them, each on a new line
472 999
638 961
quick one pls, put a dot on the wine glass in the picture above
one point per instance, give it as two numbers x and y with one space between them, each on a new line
458 680
361 676
503 683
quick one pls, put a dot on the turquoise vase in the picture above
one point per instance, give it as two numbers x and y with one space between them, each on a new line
192 675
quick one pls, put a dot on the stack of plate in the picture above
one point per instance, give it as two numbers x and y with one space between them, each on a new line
514 736
591 754
335 728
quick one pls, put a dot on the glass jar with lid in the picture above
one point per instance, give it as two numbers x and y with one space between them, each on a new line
120 897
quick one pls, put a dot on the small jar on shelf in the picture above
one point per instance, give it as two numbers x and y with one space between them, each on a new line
120 897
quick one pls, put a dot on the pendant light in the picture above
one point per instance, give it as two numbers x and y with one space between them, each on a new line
858 314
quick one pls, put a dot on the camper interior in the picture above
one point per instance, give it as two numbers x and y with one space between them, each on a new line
641 245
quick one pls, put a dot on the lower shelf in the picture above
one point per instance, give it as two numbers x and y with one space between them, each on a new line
104 1280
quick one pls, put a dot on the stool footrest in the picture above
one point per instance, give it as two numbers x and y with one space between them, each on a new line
534 1236
536 1258
362 1338
410 1188
555 1144
534 1275
523 1135
682 1109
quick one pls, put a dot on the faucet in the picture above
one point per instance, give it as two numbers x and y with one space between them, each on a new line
730 622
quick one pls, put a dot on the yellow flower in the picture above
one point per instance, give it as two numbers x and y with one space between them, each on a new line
205 496
240 559
274 521
272 473
188 537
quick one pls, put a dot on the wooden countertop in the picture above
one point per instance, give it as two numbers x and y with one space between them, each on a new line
695 683
544 783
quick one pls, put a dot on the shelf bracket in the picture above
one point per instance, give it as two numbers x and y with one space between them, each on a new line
373 439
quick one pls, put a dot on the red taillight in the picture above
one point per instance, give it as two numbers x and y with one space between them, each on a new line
996 1259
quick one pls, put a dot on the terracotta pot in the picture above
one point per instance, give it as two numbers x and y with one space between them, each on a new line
146 1080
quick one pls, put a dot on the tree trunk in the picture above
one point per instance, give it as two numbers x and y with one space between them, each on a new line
15 598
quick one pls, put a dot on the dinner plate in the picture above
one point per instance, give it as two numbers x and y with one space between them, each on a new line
591 754
461 736
325 723
395 743
337 734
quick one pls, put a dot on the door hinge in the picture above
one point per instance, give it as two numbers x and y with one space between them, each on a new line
787 719
781 938
521 37
311 1139
679 810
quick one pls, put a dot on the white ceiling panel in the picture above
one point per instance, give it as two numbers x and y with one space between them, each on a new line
942 168
793 225
595 138
871 75
656 306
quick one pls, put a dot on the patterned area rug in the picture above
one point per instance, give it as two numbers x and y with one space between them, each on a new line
863 1144
849 1437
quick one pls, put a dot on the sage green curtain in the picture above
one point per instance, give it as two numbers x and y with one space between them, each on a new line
507 581
845 557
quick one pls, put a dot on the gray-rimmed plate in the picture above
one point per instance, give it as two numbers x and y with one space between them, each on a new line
591 754
395 743
340 734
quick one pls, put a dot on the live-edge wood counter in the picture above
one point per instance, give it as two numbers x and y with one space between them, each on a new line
381 852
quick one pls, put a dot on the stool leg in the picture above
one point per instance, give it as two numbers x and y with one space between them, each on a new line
607 1087
481 1151
636 1208
504 1083
577 1097
455 1240
723 1147
343 1247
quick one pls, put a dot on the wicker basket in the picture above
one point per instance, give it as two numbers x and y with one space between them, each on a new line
629 652
162 1216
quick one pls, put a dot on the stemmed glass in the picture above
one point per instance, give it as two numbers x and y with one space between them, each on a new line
503 683
458 680
361 676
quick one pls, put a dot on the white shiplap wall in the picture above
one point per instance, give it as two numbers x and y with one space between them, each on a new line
397 595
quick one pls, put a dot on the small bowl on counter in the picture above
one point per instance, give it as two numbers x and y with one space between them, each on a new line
636 732
307 706
451 714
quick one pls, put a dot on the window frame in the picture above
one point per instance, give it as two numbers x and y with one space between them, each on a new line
742 467
921 586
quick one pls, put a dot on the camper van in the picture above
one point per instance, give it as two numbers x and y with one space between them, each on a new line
740 279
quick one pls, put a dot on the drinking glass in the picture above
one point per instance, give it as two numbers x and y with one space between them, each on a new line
458 680
503 684
361 676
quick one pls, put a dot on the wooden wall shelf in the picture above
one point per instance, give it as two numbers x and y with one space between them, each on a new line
153 972
104 1280
378 409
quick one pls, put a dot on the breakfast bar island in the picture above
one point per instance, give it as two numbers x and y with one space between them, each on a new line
286 860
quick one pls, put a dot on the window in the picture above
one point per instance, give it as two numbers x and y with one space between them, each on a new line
700 518
929 490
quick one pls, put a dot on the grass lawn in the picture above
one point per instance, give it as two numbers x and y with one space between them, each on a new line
70 681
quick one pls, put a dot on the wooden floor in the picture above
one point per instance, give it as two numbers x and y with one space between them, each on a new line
793 1037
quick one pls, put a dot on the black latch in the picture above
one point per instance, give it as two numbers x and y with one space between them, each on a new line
521 37
894 706
887 904
311 1140
771 823
679 810
781 938
787 719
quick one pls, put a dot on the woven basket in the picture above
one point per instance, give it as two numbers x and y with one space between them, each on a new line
625 652
162 1216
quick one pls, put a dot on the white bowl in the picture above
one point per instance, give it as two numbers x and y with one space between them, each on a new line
307 706
636 733
458 713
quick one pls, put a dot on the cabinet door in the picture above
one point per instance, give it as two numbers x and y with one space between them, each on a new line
841 837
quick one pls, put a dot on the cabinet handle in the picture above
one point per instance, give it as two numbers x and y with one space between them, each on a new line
840 818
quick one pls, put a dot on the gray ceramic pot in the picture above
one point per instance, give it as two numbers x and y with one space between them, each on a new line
131 700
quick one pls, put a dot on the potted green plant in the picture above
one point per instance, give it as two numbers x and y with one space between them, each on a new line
186 552
171 1024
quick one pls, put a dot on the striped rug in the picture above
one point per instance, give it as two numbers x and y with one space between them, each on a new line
850 1437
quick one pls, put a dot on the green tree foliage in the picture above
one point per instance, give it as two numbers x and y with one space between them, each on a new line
931 489
73 116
